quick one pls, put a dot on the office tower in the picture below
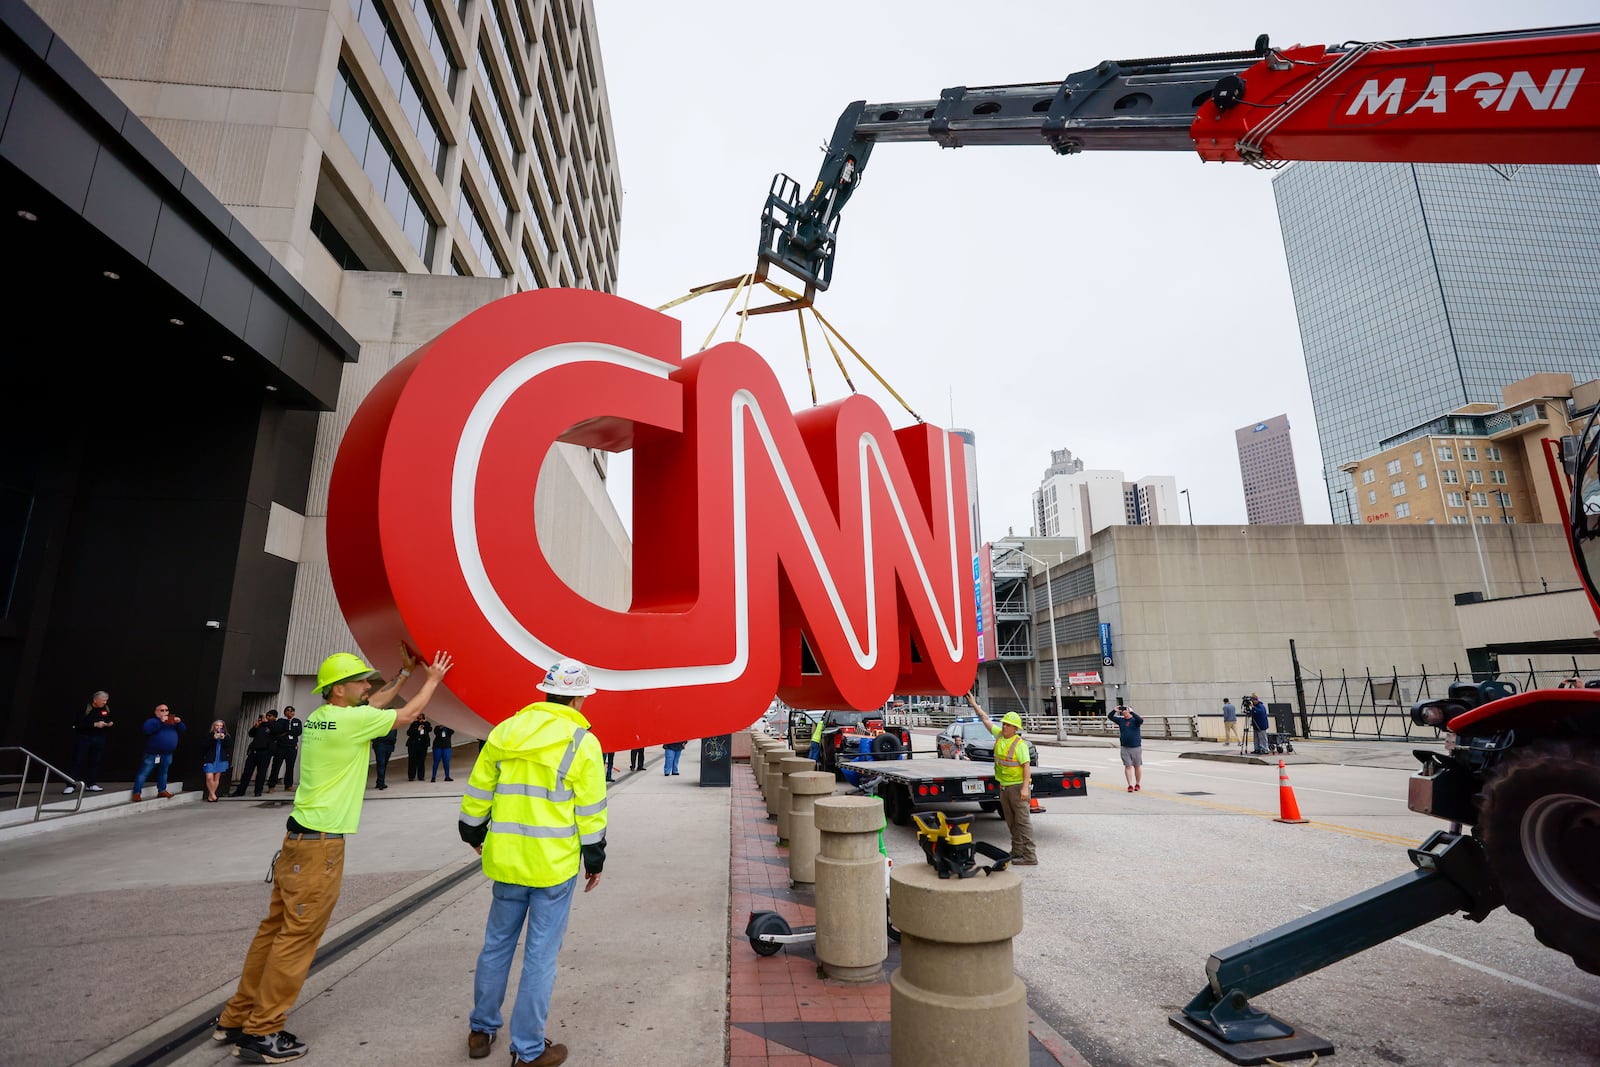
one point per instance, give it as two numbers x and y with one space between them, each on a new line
1076 503
233 219
1424 287
1266 464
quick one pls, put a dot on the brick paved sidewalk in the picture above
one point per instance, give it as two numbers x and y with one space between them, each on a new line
781 1013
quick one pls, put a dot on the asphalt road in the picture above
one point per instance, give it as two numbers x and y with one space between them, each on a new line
1135 891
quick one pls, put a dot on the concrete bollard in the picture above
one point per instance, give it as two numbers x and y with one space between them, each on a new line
788 767
773 779
758 759
955 997
852 925
804 790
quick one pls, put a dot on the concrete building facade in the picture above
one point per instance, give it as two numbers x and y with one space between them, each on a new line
1266 467
1197 613
1420 288
1482 463
304 193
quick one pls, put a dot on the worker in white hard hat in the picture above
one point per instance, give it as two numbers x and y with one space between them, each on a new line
309 868
535 809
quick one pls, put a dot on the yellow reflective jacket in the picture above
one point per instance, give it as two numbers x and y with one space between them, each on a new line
536 800
1011 758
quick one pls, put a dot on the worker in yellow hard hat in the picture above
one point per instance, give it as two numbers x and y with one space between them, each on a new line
1013 773
309 868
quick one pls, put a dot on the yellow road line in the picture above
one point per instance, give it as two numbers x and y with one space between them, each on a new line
1352 831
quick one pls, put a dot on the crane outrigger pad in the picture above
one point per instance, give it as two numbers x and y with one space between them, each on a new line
1296 1045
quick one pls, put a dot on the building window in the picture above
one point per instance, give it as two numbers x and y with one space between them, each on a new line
378 158
1474 477
1422 481
323 230
1484 520
1368 476
1397 488
1480 500
1497 477
477 233
1450 477
491 89
396 66
497 188
1394 466
1372 496
1446 453
1458 520
1469 452
1402 511
1456 500
1416 457
1492 453
1503 499
1508 519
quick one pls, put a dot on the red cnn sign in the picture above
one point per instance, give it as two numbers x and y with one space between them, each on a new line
821 556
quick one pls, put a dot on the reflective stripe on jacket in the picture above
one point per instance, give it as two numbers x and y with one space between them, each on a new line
1008 762
539 785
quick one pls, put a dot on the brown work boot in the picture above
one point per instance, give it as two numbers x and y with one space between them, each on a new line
553 1056
478 1044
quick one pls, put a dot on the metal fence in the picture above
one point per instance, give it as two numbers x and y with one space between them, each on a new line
1368 706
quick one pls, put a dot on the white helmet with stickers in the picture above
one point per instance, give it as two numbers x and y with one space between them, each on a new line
567 678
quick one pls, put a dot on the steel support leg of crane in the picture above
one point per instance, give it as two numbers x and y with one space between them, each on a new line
1452 875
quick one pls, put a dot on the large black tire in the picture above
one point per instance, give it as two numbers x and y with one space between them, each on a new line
897 804
1540 824
887 746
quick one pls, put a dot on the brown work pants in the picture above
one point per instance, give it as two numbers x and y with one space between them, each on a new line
305 887
1230 732
1015 810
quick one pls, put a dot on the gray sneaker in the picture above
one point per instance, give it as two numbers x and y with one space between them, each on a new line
280 1047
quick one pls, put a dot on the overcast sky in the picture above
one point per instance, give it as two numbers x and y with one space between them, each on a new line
1134 308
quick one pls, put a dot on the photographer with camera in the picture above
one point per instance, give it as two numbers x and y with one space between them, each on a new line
417 737
259 754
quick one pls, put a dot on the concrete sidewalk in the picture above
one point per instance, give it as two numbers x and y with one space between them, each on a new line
114 935
122 938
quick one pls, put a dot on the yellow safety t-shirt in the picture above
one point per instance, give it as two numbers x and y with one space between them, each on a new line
333 765
540 785
1010 757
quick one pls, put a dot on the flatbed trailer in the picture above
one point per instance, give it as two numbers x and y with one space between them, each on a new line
906 785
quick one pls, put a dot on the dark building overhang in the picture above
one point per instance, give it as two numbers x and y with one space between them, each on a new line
98 215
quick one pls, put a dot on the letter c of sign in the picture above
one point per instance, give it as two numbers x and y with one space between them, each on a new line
818 556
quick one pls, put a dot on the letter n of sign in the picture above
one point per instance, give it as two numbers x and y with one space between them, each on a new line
816 555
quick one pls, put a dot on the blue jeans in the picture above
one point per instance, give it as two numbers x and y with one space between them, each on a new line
441 755
144 772
670 766
546 912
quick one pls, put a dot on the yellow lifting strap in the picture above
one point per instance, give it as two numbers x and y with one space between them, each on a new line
746 284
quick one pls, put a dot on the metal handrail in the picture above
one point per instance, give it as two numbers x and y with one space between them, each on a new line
28 760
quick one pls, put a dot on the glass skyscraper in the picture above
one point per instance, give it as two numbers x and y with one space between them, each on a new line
1423 287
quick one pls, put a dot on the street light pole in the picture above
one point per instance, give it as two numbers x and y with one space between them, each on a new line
1190 503
1055 655
1348 517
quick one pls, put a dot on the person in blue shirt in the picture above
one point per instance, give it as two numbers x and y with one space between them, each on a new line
1128 722
161 732
1260 723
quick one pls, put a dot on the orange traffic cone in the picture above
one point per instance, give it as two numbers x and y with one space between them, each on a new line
1288 808
1033 805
